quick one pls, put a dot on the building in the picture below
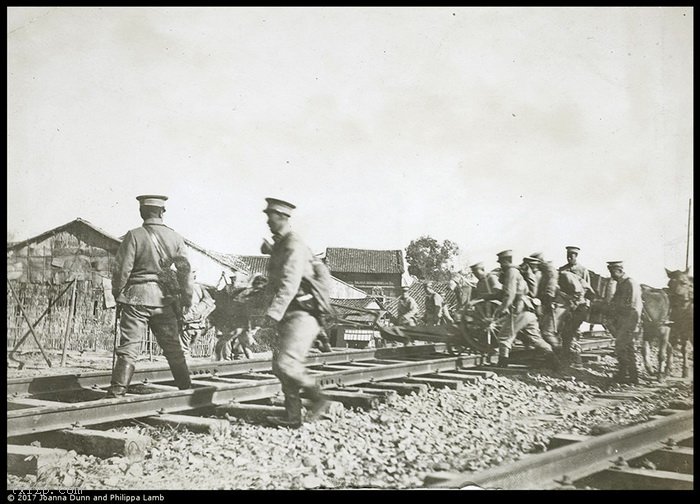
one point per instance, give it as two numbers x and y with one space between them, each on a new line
40 271
258 265
376 272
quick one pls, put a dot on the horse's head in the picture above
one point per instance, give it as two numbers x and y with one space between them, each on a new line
679 283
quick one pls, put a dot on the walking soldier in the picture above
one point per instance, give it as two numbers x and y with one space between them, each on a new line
294 310
151 294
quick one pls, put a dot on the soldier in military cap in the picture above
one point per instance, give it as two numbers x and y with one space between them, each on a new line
293 311
573 265
487 285
520 313
625 317
146 298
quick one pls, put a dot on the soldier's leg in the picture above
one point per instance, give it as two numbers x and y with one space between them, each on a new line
526 324
506 337
620 349
296 334
550 325
164 324
187 336
133 325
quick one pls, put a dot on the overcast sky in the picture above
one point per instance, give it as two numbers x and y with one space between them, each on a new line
522 128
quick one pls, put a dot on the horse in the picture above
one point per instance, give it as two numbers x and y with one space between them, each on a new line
680 291
656 328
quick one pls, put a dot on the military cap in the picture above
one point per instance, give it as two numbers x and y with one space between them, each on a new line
571 248
279 206
152 200
615 264
535 257
477 265
405 288
504 254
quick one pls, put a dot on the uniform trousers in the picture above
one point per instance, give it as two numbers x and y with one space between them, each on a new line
163 322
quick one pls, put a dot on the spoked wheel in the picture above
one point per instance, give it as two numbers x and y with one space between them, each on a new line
480 327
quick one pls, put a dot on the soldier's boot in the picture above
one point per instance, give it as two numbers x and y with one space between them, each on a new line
292 405
503 358
552 361
181 374
121 378
633 372
620 375
319 403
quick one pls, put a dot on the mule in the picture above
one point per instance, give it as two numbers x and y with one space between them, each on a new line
656 328
680 291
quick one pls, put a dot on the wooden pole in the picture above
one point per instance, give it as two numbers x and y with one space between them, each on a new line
69 322
41 317
26 317
687 245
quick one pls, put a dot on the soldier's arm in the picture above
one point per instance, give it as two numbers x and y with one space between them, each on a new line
509 287
184 273
552 284
123 264
294 260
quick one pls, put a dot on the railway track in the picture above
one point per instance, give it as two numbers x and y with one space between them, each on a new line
654 455
39 405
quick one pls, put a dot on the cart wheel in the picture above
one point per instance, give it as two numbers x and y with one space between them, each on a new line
480 328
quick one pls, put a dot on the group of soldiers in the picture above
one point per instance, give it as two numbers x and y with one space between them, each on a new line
544 306
155 289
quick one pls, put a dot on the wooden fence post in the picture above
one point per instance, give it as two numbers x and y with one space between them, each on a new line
69 321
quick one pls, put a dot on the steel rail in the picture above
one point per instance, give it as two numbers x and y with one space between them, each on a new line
45 418
578 460
92 379
96 379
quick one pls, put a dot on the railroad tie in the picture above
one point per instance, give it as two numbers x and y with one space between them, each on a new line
103 444
23 460
566 439
453 375
249 412
353 399
335 408
215 426
401 388
436 382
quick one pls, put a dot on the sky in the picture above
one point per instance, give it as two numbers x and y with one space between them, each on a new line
497 128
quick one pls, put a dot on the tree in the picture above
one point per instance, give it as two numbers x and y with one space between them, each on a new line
429 259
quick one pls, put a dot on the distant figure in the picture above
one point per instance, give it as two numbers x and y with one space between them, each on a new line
194 322
436 312
229 318
251 301
408 308
151 294
625 316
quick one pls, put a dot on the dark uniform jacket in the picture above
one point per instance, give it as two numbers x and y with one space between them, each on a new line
135 274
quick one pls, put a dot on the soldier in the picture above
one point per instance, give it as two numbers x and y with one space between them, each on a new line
551 310
436 311
572 289
195 319
520 314
147 300
291 273
408 308
625 312
531 273
573 265
487 286
250 307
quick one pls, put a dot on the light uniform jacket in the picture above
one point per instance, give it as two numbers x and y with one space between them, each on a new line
514 295
548 286
487 286
581 271
290 262
135 274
